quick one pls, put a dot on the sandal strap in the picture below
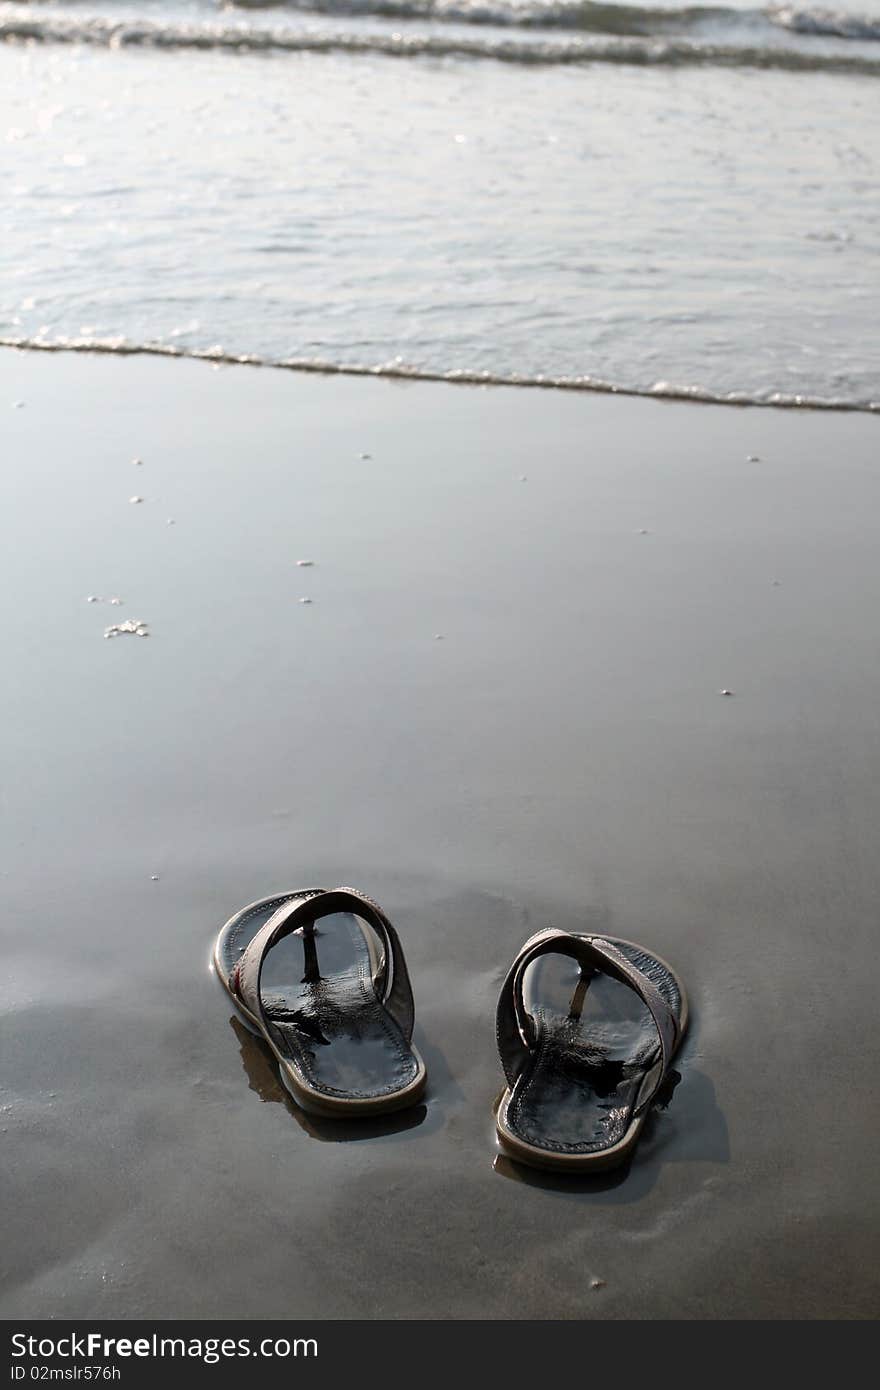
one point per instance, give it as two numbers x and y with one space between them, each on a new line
515 1028
392 981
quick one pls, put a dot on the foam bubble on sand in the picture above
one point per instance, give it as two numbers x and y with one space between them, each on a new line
135 626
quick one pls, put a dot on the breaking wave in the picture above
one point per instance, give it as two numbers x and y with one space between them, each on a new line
617 35
593 15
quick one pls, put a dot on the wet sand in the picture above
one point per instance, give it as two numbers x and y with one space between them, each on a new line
598 570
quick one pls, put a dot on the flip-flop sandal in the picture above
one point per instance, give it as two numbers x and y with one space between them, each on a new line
334 1003
586 1056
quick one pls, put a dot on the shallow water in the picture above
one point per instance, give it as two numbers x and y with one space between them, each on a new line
643 198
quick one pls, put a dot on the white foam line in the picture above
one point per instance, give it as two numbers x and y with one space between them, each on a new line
663 390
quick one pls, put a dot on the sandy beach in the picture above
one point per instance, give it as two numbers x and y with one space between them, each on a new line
500 710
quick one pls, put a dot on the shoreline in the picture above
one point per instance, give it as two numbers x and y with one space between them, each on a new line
662 391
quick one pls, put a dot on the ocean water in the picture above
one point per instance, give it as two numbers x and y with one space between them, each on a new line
645 198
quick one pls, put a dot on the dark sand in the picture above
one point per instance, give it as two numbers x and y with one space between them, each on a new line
562 755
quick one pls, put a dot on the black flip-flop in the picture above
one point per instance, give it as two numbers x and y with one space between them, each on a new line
334 1003
585 1057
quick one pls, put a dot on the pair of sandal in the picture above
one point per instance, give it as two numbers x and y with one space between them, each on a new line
335 1005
